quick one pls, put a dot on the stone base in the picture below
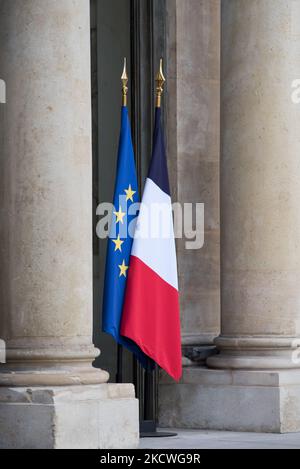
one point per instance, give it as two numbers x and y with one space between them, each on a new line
252 401
101 416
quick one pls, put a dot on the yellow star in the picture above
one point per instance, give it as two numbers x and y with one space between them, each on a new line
123 269
120 215
129 193
118 243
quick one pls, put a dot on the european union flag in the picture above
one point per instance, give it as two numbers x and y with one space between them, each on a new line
120 242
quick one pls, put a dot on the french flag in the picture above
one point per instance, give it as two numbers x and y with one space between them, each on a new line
150 315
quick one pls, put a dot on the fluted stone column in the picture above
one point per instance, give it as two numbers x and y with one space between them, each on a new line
254 382
46 233
193 137
198 154
260 186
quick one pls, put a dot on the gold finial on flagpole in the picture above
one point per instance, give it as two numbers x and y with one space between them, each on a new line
124 79
160 81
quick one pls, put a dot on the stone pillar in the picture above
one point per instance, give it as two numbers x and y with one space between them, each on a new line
193 138
193 118
260 187
48 383
254 383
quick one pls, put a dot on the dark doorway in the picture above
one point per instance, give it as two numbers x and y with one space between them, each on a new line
134 29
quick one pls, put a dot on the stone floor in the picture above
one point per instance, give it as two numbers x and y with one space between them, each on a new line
201 439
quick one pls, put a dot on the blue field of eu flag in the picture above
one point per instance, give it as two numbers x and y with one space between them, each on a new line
119 242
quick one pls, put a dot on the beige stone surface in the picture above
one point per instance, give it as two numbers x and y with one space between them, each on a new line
260 224
193 103
45 180
50 394
211 439
260 187
244 401
73 417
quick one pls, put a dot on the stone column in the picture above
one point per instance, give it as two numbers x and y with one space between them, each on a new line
254 383
46 233
193 136
260 185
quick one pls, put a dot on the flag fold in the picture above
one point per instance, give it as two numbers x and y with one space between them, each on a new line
120 242
151 307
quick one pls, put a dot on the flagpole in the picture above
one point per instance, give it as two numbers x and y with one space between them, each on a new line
149 426
150 382
124 81
160 81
